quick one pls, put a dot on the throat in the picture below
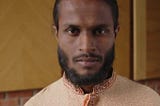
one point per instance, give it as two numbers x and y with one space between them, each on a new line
87 89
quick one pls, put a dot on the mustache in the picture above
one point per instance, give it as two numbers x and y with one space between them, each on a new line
88 55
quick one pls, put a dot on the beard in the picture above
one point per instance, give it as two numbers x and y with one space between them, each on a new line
102 74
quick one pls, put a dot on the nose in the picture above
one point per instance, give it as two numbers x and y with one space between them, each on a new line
87 43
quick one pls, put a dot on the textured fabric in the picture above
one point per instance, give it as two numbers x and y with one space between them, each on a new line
116 91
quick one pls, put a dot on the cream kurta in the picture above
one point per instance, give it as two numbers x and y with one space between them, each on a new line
116 91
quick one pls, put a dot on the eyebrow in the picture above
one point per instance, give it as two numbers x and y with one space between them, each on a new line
102 25
71 25
92 27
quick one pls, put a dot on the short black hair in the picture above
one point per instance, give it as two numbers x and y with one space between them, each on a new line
112 3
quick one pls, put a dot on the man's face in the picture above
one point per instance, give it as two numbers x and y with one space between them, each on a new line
85 36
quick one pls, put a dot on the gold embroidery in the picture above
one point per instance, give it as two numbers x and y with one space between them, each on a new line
97 88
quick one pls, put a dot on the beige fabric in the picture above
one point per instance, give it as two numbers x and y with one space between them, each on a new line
118 92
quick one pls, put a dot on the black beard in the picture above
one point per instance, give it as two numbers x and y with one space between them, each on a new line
105 71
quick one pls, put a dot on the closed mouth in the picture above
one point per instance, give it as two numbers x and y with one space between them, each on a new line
88 59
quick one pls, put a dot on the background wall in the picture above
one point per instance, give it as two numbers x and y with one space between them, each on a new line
28 58
153 38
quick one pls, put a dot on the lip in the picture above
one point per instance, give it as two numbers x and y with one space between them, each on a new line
88 61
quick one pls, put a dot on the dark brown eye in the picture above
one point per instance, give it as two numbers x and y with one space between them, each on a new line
73 31
101 31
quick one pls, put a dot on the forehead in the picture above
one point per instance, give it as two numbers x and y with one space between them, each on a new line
85 11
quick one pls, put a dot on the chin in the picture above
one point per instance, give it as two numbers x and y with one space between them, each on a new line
86 72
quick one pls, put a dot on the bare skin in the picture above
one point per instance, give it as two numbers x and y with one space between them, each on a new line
85 26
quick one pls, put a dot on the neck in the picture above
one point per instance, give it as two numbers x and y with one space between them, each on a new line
87 89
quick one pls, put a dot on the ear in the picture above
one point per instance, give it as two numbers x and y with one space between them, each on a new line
55 32
117 30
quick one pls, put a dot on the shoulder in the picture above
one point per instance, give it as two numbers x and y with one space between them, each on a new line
136 92
129 84
45 94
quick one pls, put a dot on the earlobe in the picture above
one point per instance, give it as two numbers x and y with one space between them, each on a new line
117 30
55 32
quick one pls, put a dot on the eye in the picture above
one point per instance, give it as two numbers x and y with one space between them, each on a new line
73 31
99 31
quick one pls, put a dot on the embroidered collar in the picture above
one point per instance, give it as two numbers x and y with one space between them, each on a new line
96 89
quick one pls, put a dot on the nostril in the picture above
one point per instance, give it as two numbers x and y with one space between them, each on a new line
80 49
91 49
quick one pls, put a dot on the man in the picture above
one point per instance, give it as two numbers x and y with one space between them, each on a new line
86 32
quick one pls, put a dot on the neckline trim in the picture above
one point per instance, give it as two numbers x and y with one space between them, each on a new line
106 84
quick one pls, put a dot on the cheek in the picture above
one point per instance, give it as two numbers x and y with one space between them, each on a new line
105 45
66 42
63 43
68 48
